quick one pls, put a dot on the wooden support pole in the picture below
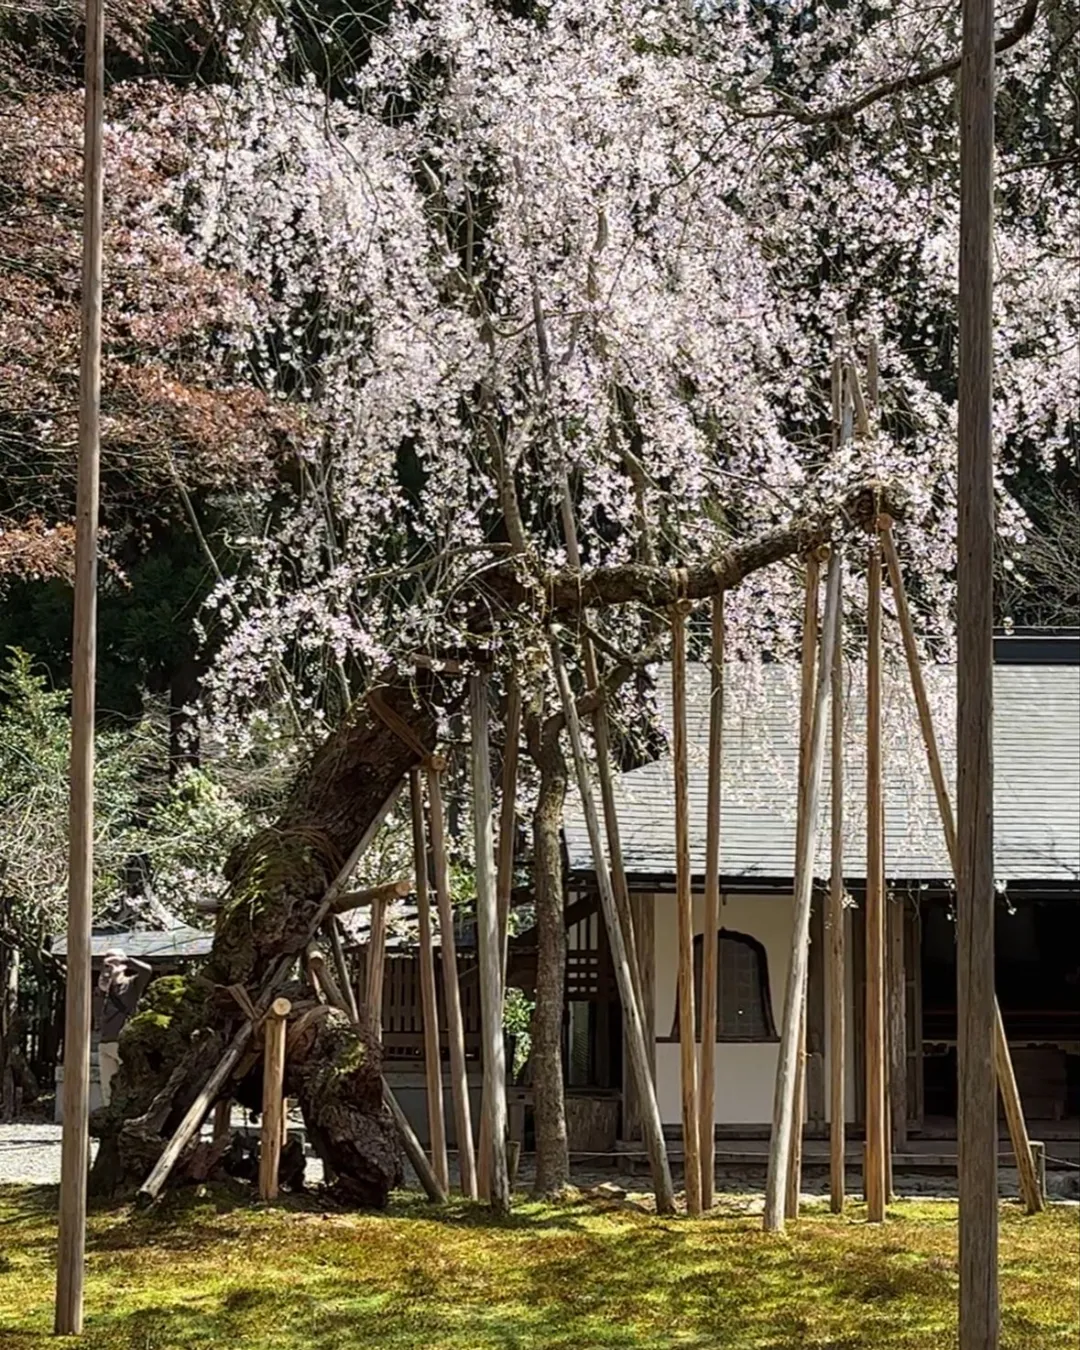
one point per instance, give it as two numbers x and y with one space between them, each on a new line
459 1079
388 892
807 692
783 1123
874 1166
222 1119
1006 1079
980 1323
684 903
711 910
489 949
508 817
75 1145
429 999
341 967
376 966
274 1029
651 1126
835 924
435 1192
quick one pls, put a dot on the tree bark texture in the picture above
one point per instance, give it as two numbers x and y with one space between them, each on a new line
277 883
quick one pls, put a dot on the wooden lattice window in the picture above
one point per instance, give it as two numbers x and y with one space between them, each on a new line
745 1004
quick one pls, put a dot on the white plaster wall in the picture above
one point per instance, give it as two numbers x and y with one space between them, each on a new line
745 1072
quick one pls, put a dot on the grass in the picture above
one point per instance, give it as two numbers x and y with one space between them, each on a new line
215 1271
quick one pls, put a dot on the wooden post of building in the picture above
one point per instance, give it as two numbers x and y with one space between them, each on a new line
274 1029
874 1163
837 965
711 910
429 999
684 903
1014 1113
459 1078
376 966
489 947
807 690
783 1123
976 1007
75 1146
651 1127
896 1019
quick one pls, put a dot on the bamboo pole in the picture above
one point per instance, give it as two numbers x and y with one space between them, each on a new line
684 902
711 911
376 967
459 1079
808 684
274 1029
75 1145
836 954
651 1126
429 999
1014 1112
875 1153
341 967
783 1123
489 951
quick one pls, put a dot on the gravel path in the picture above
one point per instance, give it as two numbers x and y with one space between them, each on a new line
30 1155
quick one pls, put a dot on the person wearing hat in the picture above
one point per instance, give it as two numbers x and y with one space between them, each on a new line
120 986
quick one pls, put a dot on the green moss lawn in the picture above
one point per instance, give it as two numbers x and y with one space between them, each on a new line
216 1272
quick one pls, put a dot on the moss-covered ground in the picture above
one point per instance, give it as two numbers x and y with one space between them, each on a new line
217 1271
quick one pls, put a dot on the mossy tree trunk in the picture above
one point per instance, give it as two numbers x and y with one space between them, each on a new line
277 884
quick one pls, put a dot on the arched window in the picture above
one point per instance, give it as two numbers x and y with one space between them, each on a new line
745 1005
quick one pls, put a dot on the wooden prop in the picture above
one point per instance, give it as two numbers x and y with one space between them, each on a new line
807 689
896 1021
376 966
196 1114
429 999
977 1011
651 1126
341 967
874 1166
1014 1113
783 1124
489 948
835 924
388 892
459 1080
274 1029
75 1145
711 912
222 1119
413 1150
684 904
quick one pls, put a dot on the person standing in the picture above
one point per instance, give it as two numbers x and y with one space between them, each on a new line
120 986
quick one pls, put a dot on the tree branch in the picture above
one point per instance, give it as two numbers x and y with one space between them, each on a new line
902 84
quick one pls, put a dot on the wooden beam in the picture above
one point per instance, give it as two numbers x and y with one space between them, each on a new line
413 1151
341 967
896 1021
274 1029
783 1124
376 966
816 1014
711 911
508 816
807 691
75 1144
835 926
875 1157
388 892
1006 1079
652 1128
980 1322
429 1000
488 945
684 908
455 1026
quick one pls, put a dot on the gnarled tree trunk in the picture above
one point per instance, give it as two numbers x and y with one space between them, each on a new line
277 884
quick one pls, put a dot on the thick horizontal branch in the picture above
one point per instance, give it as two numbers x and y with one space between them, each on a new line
570 592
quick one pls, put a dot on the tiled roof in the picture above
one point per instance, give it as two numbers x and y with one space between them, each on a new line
1037 779
180 943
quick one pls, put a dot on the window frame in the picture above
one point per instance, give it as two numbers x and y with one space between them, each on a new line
757 947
